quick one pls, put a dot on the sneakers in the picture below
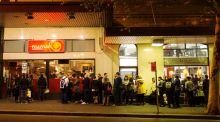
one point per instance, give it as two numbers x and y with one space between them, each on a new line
83 103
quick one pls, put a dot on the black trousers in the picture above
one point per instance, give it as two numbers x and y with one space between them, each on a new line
176 98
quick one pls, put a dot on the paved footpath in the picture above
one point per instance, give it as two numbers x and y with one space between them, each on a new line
54 107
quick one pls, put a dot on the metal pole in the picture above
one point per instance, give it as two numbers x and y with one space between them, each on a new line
156 90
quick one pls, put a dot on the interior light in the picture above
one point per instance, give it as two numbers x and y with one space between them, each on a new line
157 44
21 37
54 36
82 37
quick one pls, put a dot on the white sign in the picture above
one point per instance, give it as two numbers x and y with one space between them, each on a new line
24 67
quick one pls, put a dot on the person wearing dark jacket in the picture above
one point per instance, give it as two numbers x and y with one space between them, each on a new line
100 95
42 84
86 84
16 87
23 88
176 86
169 91
117 89
206 88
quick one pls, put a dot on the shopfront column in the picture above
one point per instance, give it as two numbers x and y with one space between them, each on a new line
1 58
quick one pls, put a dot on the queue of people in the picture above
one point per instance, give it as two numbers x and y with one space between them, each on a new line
89 88
172 88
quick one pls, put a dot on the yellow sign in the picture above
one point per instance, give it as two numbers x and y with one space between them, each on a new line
186 61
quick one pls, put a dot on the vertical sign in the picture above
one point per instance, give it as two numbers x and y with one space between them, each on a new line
24 67
153 66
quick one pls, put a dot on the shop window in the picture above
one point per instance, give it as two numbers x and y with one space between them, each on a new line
190 53
14 46
71 66
128 60
189 50
202 52
190 46
174 46
202 46
128 55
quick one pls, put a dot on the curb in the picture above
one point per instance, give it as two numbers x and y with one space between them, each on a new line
170 116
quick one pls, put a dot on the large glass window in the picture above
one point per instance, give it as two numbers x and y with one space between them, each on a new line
185 50
128 55
128 60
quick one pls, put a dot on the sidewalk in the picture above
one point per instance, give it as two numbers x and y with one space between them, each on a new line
54 107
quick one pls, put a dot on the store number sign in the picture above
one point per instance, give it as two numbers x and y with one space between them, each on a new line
45 46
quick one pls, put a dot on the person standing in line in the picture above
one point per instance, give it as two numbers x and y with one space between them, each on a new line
153 93
125 89
29 87
130 90
77 96
206 89
161 87
86 84
42 84
23 89
81 87
95 90
140 91
189 91
64 88
117 89
107 87
100 89
16 88
169 91
176 85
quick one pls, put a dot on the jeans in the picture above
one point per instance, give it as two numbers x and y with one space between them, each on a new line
64 95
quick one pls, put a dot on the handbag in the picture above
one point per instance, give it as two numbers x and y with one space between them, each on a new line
109 89
47 90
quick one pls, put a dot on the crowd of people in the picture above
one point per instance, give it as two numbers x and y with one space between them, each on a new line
172 88
89 88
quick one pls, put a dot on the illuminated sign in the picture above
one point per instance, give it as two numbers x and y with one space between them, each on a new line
45 46
186 61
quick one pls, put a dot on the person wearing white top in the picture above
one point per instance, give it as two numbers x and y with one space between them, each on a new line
63 87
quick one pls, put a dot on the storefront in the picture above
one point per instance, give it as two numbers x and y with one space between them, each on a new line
187 60
52 51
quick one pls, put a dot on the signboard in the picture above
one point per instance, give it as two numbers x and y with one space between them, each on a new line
153 66
186 61
24 67
45 46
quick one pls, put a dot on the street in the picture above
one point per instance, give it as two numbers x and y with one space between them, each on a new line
48 118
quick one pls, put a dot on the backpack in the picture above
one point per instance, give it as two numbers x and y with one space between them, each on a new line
62 83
